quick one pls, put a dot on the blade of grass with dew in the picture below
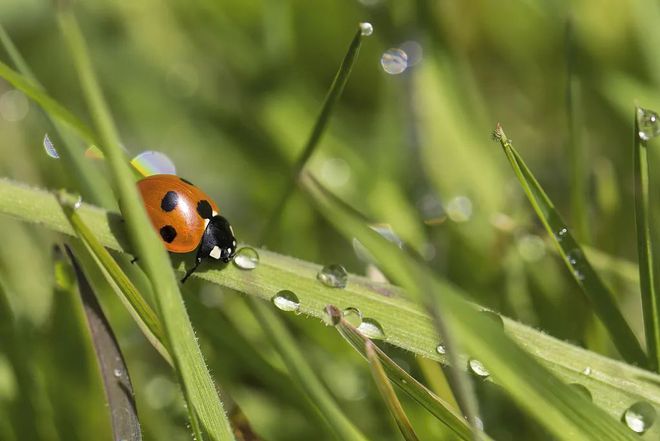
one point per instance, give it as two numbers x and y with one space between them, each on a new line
139 309
417 391
336 89
601 297
542 395
387 393
614 385
90 186
116 379
649 293
303 373
196 382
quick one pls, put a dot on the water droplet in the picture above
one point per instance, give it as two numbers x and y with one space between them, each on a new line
579 275
531 248
151 162
78 203
394 61
441 349
477 368
366 29
335 172
353 316
50 148
370 328
246 258
459 209
640 416
334 276
14 106
561 234
647 124
574 256
118 373
494 317
582 390
586 371
286 300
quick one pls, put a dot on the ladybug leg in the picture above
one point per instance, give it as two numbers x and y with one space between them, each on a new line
191 270
135 259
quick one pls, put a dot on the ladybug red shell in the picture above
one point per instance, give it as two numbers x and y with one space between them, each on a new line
187 219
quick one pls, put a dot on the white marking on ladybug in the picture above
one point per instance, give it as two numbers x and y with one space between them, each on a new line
215 252
206 222
215 213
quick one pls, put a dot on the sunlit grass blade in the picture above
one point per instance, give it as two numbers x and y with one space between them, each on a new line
137 306
303 373
196 382
649 293
417 391
601 297
613 384
336 89
560 409
387 393
116 379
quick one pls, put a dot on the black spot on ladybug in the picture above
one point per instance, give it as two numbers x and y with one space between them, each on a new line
187 182
169 201
168 233
204 209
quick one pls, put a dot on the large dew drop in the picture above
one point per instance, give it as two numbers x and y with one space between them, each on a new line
370 328
353 316
441 349
366 29
334 276
246 258
647 124
394 61
477 368
50 148
286 301
640 416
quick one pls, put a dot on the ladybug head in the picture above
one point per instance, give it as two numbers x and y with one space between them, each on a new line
218 242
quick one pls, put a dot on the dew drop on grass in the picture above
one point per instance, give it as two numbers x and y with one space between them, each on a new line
50 148
246 258
477 368
118 373
366 29
639 417
370 328
394 61
494 317
78 203
647 124
334 276
574 256
582 390
353 316
286 301
561 234
441 349
586 371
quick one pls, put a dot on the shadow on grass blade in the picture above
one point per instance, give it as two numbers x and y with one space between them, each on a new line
601 297
116 380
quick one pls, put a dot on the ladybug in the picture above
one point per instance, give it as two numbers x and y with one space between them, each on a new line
187 219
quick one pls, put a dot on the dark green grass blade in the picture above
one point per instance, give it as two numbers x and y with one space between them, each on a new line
560 409
116 379
198 387
336 89
417 391
649 293
599 295
388 394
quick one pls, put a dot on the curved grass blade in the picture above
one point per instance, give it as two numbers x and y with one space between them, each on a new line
303 373
195 379
601 297
560 409
614 385
336 89
388 394
649 293
116 380
417 391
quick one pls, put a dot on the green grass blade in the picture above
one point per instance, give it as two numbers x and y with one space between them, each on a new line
196 382
331 99
614 385
601 297
560 409
388 394
303 373
649 293
116 379
417 391
142 313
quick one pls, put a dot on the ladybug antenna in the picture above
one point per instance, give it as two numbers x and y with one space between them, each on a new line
190 271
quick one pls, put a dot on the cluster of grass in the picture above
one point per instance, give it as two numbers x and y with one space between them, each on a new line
234 93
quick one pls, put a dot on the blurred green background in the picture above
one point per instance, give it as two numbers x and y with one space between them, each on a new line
230 90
